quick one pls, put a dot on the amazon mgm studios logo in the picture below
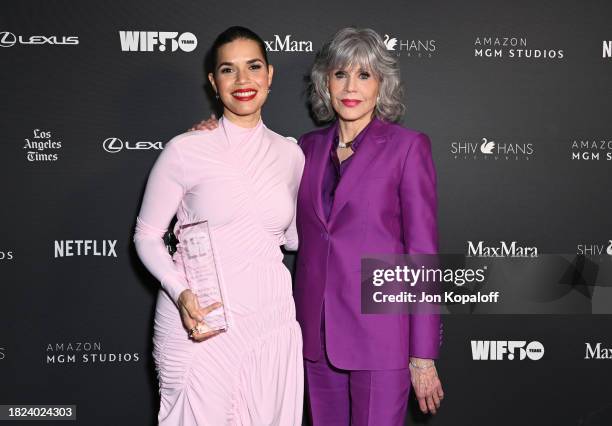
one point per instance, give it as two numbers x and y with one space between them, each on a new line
411 48
491 150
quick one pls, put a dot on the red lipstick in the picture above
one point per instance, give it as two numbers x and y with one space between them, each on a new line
244 95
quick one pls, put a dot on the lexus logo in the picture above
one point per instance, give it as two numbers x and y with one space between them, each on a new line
114 145
7 39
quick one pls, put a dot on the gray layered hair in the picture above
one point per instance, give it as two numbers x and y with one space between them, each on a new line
361 47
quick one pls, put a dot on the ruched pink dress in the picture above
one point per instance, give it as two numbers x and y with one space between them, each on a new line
244 181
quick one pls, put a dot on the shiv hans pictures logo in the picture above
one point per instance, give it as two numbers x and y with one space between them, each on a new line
489 149
606 49
114 145
69 248
595 249
503 250
161 41
515 48
89 353
8 39
597 351
287 44
591 150
38 146
411 48
499 350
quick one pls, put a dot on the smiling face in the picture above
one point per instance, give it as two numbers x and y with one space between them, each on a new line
353 92
241 79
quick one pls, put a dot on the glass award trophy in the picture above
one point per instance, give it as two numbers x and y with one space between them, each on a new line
202 274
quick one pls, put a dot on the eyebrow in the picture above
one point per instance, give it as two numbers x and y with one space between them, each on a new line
249 62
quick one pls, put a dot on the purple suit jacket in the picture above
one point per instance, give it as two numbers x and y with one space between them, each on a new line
384 203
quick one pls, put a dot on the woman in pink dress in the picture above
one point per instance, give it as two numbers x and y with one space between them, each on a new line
243 179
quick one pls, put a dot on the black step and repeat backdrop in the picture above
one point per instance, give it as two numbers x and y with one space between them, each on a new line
516 97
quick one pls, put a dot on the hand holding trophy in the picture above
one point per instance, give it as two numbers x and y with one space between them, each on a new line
201 306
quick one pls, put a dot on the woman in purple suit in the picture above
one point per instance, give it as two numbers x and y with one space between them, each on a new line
369 186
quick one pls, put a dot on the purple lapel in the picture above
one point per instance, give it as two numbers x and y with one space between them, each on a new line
320 157
368 150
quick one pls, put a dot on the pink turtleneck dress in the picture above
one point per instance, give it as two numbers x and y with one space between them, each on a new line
244 181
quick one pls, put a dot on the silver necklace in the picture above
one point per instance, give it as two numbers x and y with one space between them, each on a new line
345 144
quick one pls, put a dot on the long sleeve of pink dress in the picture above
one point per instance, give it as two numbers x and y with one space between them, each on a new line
244 182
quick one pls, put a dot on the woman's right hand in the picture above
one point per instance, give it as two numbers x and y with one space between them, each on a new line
211 124
192 315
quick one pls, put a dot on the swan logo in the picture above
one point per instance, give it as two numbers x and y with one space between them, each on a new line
146 41
390 43
487 146
498 350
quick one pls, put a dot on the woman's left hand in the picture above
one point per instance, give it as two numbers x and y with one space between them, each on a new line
426 384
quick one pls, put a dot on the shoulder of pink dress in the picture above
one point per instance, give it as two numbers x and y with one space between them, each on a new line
193 137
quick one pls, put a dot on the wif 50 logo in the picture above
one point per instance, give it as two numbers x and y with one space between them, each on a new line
498 350
162 41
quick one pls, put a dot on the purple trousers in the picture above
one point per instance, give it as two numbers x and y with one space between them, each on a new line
355 397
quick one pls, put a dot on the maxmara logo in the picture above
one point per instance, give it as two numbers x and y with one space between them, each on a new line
8 39
591 150
161 41
595 249
597 352
287 44
503 250
499 350
489 149
68 248
412 48
606 49
498 47
114 145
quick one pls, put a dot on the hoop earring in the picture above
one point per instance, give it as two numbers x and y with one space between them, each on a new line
216 95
